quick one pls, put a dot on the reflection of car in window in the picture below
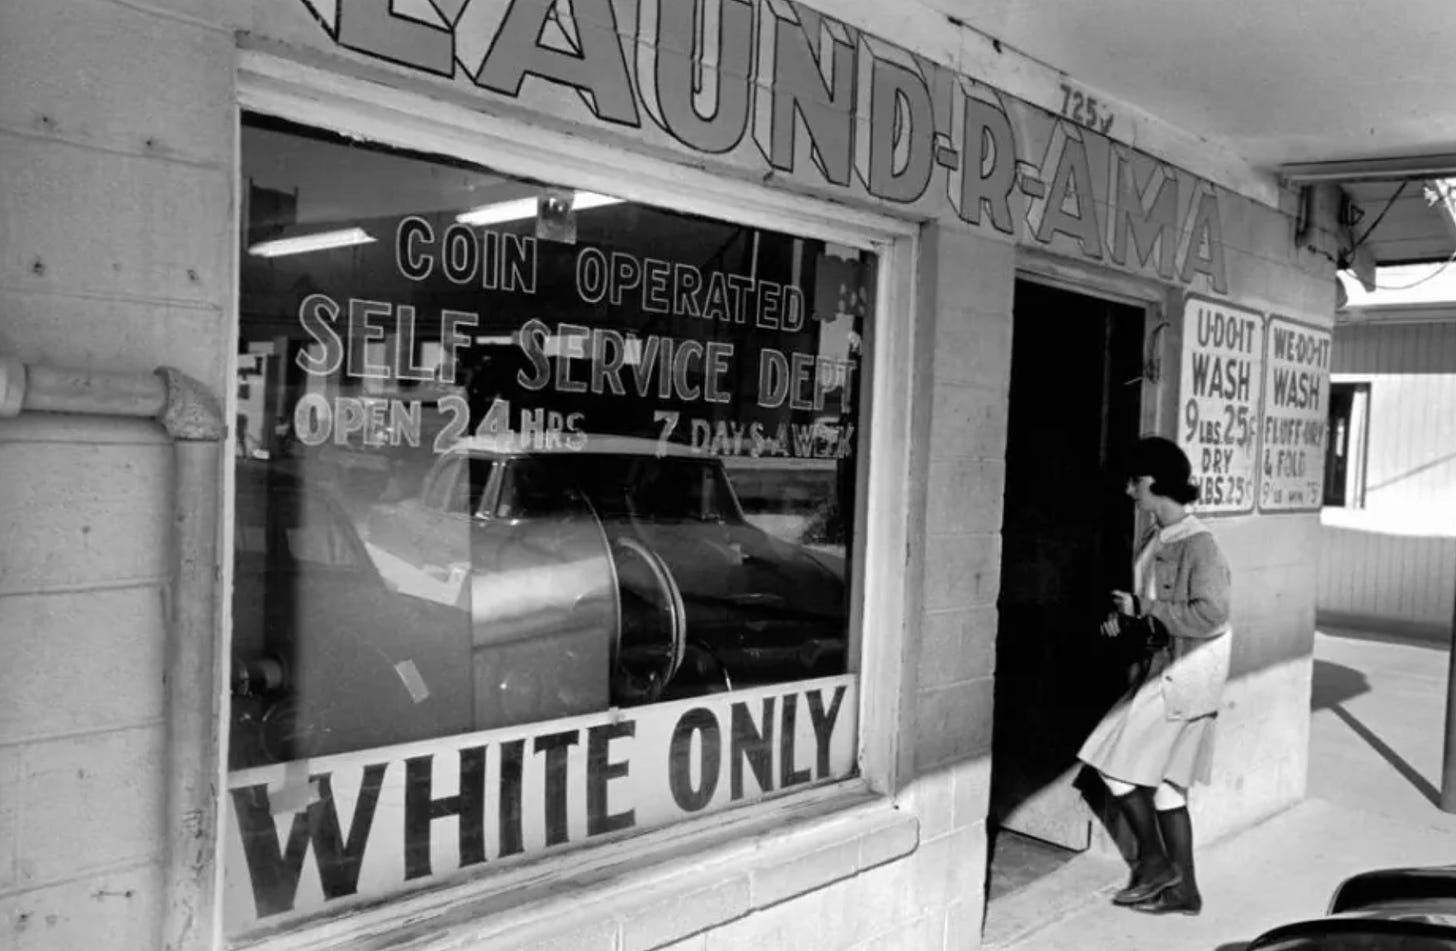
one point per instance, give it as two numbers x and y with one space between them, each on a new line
693 597
325 657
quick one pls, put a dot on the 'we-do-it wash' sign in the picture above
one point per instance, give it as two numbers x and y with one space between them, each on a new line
780 89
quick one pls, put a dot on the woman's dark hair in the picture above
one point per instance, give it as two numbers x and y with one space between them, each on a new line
1165 462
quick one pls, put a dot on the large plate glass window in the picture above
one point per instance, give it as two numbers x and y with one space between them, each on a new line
544 514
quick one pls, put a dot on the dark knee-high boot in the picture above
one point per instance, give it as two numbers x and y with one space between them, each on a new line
1181 897
1152 872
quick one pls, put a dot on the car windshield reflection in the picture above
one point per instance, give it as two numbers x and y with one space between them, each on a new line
667 489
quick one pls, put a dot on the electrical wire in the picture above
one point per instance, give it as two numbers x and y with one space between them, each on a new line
1399 287
1395 196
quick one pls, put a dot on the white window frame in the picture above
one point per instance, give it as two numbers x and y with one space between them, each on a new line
437 123
1356 483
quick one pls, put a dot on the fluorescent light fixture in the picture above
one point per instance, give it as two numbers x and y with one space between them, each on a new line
518 209
322 241
571 346
584 200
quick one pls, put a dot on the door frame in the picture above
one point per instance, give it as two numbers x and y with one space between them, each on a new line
1155 301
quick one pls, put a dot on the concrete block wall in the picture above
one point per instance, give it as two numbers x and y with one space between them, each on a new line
919 903
116 137
934 898
972 278
1262 752
968 279
1262 758
116 219
82 588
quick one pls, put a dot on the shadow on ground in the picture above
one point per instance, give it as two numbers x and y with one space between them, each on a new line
1019 860
1335 684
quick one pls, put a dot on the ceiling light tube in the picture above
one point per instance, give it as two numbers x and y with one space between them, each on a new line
321 241
519 209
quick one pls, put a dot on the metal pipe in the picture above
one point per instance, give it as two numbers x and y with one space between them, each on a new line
192 698
1448 766
43 389
93 392
193 419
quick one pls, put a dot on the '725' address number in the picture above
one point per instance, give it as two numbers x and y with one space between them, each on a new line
1086 110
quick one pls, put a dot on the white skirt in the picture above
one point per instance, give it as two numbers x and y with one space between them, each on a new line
1137 743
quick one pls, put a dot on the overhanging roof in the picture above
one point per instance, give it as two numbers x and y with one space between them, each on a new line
1403 210
1342 82
1403 222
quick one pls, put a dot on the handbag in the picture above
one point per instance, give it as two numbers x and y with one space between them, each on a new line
1143 649
1144 634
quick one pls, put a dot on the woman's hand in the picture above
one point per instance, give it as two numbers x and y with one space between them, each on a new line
1110 627
1124 603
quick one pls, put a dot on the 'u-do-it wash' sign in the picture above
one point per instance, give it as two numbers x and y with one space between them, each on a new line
1218 402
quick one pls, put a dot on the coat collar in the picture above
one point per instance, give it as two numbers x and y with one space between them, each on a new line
1187 527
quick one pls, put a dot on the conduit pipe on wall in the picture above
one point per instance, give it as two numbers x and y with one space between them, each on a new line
193 418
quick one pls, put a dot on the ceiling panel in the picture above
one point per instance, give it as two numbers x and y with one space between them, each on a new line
1280 80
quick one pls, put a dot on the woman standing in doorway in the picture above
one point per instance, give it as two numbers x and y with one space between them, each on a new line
1158 740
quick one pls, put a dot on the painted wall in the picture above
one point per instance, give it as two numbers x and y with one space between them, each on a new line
117 136
1391 565
1261 753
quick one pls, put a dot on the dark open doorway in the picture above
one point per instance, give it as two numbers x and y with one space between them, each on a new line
1067 538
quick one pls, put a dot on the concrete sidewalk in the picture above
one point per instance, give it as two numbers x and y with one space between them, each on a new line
1375 761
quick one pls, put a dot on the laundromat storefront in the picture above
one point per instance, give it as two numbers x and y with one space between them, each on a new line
544 520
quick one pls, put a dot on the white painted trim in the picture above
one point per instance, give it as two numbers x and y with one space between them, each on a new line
1385 315
1145 293
379 112
1053 270
885 517
629 877
1370 170
222 673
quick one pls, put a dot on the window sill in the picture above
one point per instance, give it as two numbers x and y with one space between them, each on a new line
641 893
